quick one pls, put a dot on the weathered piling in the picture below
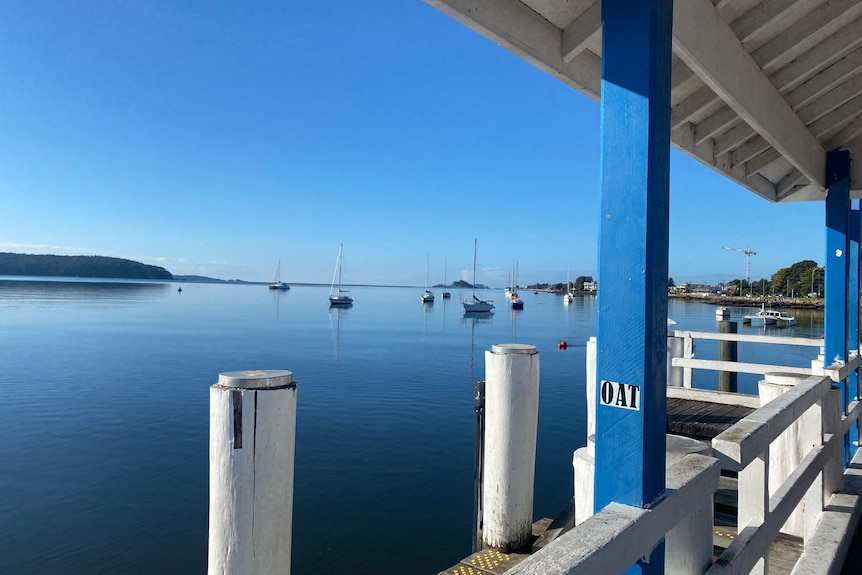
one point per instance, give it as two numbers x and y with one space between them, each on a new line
511 423
675 348
727 351
252 439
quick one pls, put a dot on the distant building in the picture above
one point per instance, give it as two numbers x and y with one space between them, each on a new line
589 286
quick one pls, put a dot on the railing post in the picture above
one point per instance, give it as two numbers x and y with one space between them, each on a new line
814 499
754 501
688 353
833 472
511 424
688 546
252 441
789 448
727 351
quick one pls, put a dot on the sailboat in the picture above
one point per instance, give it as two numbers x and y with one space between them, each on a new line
339 297
445 294
279 285
517 302
570 289
475 304
428 296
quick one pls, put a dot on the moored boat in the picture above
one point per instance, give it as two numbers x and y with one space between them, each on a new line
278 284
475 304
445 294
338 296
766 317
428 296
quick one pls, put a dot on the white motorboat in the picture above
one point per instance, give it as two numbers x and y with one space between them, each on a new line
766 317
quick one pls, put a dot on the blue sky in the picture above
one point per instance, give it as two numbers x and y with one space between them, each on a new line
216 138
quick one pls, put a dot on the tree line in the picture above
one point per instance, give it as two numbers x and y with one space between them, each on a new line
563 287
801 279
78 266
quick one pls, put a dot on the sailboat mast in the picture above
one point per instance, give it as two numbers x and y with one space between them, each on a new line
474 267
340 265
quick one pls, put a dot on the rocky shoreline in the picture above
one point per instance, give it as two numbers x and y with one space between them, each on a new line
774 302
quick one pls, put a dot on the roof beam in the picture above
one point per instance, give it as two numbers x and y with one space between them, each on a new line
806 33
767 15
585 29
519 29
831 50
705 42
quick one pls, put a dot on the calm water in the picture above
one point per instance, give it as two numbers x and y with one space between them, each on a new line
104 415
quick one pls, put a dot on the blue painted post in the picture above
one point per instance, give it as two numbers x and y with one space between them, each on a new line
855 229
633 247
837 267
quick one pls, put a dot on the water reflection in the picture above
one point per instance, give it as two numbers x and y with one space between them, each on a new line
337 314
276 295
79 292
472 318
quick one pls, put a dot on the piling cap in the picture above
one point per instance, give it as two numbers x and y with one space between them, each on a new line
512 348
256 379
783 378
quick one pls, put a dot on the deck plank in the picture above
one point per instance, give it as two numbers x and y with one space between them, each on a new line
701 419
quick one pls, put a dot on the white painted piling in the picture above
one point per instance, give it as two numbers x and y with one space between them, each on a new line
675 348
252 439
591 392
511 422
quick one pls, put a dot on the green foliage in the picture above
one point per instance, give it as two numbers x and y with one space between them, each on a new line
78 266
799 279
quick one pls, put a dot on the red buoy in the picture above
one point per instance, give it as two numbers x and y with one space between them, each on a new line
562 345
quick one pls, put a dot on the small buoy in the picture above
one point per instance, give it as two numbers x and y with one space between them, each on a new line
179 289
562 345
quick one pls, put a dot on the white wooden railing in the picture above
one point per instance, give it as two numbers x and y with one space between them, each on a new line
688 362
617 536
813 406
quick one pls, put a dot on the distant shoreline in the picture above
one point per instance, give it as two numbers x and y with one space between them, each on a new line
776 302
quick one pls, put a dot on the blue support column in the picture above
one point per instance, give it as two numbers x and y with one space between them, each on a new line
837 266
855 229
633 246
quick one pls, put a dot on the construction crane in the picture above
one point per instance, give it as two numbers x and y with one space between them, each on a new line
748 253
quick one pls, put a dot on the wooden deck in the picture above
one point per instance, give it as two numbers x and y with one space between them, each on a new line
701 419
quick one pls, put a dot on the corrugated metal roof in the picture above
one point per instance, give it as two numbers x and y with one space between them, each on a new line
761 89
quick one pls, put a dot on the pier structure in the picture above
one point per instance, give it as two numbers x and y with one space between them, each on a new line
252 447
767 94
